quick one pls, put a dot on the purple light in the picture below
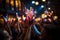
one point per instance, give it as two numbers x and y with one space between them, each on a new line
46 11
45 20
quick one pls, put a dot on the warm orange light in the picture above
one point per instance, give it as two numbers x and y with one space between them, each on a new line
23 17
9 19
52 11
16 2
19 18
2 20
7 1
14 19
43 15
12 2
37 19
19 3
20 21
55 17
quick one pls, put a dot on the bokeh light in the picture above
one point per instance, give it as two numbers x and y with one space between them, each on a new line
19 18
46 11
35 12
20 21
9 19
42 6
49 8
44 16
37 19
52 11
36 3
55 17
12 2
12 9
33 2
23 17
16 3
43 0
45 20
14 19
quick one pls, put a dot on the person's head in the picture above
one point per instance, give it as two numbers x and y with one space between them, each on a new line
2 22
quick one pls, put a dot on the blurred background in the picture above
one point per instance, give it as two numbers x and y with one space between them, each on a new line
29 19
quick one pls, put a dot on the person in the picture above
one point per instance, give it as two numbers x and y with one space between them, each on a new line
4 35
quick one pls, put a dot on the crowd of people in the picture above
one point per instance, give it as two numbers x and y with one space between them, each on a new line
29 28
25 31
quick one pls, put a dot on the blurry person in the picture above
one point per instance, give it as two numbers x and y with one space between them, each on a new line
4 35
14 30
31 13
